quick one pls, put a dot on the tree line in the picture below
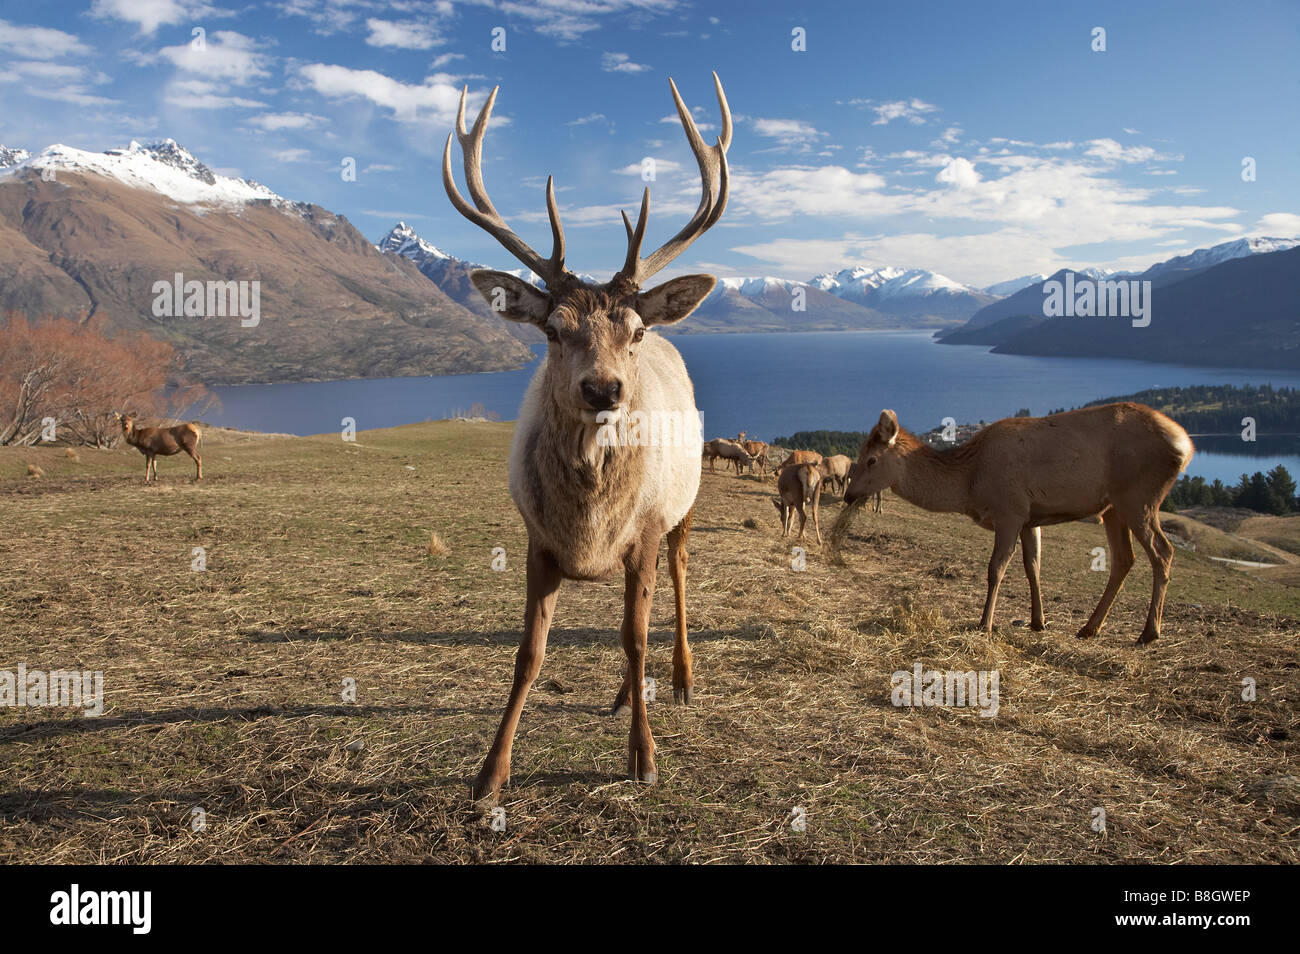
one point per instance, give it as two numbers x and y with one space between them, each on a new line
64 377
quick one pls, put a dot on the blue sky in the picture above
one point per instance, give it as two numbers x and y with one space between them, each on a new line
980 140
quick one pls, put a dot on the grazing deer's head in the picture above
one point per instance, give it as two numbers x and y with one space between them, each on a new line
879 460
593 330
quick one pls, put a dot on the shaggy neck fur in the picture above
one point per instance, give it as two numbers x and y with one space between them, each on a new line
585 494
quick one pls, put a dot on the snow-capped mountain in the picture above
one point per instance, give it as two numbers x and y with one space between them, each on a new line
403 240
11 157
164 166
913 293
91 233
1013 285
1217 254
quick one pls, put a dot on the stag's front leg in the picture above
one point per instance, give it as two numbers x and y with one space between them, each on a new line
543 587
683 670
638 591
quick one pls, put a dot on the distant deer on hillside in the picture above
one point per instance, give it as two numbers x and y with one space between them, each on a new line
164 441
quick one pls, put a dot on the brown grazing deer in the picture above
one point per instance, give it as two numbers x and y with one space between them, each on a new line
593 507
1022 473
758 451
729 451
835 471
796 486
165 441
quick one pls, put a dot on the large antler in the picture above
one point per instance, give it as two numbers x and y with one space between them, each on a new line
713 172
484 214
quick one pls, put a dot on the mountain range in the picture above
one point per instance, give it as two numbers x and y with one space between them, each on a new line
86 233
92 233
1236 304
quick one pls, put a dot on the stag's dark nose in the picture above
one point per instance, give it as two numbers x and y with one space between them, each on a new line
602 396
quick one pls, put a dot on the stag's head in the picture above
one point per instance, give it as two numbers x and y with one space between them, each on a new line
593 330
880 461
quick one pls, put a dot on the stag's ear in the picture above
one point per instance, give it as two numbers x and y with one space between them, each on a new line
672 301
887 427
512 298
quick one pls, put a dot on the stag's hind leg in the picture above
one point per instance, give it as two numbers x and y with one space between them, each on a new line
543 587
683 671
1121 561
1161 554
1031 548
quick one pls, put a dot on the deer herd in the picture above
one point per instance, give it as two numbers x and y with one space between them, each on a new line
593 507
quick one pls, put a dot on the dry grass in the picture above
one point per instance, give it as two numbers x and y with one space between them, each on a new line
225 688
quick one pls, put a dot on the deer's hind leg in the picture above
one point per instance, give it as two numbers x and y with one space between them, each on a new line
1161 554
683 670
1121 561
1031 546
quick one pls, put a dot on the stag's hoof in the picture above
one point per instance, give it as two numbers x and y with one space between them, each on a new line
684 697
1085 633
1148 636
648 778
1039 626
485 796
620 709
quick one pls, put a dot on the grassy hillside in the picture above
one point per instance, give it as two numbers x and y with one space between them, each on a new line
223 687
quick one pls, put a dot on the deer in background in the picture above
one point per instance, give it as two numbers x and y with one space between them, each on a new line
797 486
729 451
592 508
1023 473
164 441
758 451
835 471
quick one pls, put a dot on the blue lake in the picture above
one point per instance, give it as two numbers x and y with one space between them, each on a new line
775 384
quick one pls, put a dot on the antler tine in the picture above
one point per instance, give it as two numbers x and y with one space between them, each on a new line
483 213
715 179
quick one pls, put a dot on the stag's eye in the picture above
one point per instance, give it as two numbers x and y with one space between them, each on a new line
871 462
552 334
638 335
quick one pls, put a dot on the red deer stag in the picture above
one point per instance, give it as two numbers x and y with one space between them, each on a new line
796 486
591 506
153 441
1022 473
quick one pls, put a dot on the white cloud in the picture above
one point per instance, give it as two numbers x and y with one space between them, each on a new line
572 19
57 81
588 120
272 122
434 100
290 155
621 63
149 15
225 55
39 43
404 34
445 59
959 172
661 166
913 110
1108 150
1278 225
